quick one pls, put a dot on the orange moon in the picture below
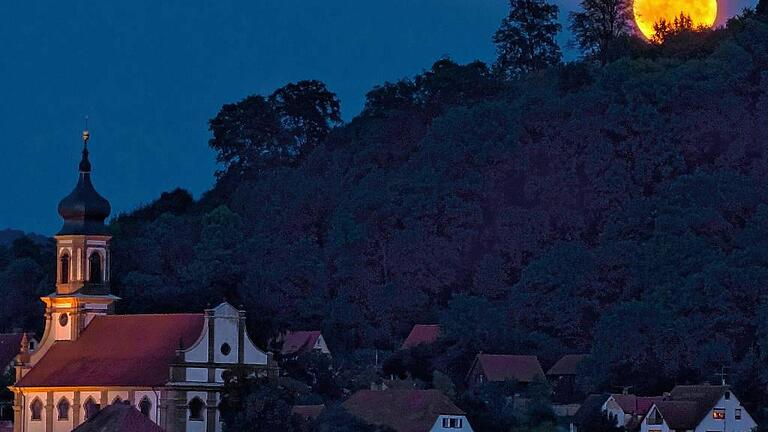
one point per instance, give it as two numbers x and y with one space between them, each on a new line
648 12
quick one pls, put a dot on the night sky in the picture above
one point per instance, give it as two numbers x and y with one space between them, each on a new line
150 74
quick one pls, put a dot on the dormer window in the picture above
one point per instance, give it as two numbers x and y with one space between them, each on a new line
452 423
64 268
94 264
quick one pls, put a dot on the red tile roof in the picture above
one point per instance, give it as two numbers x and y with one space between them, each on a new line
567 365
502 367
421 334
10 344
299 342
125 350
635 405
308 411
119 418
401 410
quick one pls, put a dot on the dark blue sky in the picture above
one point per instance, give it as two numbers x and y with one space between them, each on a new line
150 73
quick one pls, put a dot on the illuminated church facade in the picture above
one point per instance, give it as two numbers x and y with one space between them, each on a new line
169 366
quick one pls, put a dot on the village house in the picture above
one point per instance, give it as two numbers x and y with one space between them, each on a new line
562 378
522 369
120 417
628 409
295 343
408 410
421 334
698 408
169 366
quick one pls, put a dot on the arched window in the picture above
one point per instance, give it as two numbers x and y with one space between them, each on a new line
196 408
64 272
94 264
91 408
117 401
145 406
63 408
36 409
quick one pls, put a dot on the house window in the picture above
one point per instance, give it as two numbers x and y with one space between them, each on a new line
63 409
738 413
718 414
94 263
196 407
91 408
64 273
145 406
36 409
452 423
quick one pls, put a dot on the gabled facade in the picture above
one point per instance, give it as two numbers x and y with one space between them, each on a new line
421 334
169 366
628 409
296 343
502 367
698 409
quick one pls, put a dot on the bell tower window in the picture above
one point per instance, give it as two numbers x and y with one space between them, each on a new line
94 264
64 272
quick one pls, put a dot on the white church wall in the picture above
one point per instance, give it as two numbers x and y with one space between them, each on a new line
197 374
152 397
225 332
61 332
251 354
197 425
63 425
34 425
199 352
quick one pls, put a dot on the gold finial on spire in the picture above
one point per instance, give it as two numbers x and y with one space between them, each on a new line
86 134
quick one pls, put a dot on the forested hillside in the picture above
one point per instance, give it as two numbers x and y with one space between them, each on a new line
618 207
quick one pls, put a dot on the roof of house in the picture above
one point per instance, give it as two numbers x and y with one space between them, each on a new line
567 365
308 411
699 399
635 405
680 414
299 342
421 334
10 344
591 406
118 418
401 410
124 350
502 367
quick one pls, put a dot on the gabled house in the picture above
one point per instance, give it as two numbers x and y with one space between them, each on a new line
421 334
562 378
296 343
502 367
629 409
698 408
591 407
10 345
119 417
408 410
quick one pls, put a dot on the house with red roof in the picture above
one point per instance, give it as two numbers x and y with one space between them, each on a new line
562 377
408 410
169 366
296 343
629 409
119 417
698 408
421 334
503 367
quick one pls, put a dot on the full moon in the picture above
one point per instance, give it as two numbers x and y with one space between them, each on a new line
649 12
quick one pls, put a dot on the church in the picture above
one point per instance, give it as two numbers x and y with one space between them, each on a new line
168 366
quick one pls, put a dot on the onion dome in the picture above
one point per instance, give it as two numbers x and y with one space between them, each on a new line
84 210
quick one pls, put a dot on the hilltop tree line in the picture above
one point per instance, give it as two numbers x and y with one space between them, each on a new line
615 205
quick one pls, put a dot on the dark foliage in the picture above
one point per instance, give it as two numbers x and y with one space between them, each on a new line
526 39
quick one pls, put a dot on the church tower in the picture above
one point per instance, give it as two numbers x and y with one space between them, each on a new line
83 259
